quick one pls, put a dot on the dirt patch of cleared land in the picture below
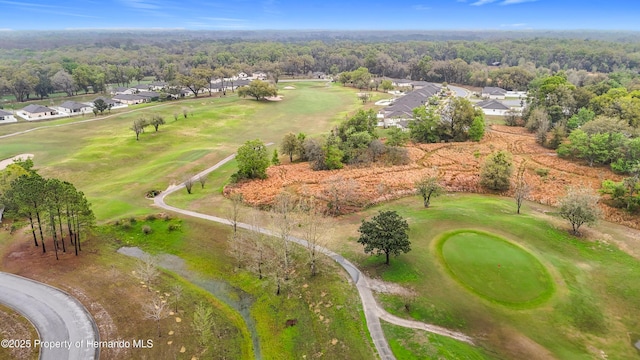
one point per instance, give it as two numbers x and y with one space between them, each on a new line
458 166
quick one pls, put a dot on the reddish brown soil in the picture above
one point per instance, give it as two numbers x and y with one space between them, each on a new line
457 164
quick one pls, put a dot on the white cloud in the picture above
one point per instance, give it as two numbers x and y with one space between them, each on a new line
26 4
270 7
140 4
46 9
482 2
512 2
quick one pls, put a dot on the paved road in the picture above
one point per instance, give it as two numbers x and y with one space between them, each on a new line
372 311
56 315
460 92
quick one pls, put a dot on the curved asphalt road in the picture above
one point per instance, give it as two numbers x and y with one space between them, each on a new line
373 313
56 315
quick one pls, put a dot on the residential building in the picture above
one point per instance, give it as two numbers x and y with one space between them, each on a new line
491 92
34 111
130 99
493 107
72 107
401 111
7 117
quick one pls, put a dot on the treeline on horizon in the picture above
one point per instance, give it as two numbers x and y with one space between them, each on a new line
391 53
73 61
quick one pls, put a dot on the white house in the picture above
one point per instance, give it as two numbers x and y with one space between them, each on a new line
130 99
123 90
7 117
243 75
493 107
34 111
260 75
158 85
72 107
491 92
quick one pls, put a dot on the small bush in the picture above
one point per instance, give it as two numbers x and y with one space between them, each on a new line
147 230
117 223
132 220
174 227
542 172
126 226
397 156
151 217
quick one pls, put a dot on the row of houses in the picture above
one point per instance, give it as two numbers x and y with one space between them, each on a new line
121 97
149 92
34 112
400 112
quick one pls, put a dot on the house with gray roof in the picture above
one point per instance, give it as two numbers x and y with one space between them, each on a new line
109 102
73 107
491 92
34 111
130 99
493 107
7 117
158 85
149 95
142 87
402 107
123 90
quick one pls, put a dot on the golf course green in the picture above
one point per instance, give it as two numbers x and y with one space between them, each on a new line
494 268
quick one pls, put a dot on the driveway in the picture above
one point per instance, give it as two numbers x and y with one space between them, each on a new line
61 321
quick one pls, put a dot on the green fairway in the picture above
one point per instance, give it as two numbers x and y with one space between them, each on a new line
411 344
595 286
494 268
104 160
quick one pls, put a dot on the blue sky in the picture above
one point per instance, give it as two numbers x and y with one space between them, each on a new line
325 14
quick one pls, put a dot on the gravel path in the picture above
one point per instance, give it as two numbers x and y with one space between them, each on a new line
6 162
59 318
373 312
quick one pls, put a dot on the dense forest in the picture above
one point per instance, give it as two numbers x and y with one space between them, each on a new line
36 65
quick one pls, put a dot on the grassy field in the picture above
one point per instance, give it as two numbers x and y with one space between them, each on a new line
104 160
592 310
326 307
494 268
410 344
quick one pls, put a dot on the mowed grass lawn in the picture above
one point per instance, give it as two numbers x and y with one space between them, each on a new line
597 289
104 160
494 268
